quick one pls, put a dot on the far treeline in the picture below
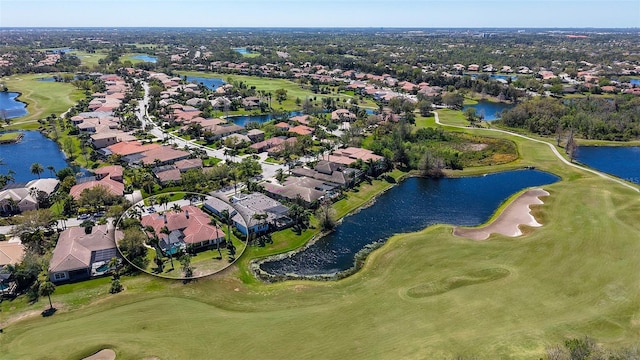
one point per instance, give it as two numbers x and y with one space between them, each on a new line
616 119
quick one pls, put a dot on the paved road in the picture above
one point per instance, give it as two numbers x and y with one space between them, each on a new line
553 148
268 169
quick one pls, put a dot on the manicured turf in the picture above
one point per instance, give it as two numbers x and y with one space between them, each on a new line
42 97
89 59
10 136
422 295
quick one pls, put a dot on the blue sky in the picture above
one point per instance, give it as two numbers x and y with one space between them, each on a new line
320 13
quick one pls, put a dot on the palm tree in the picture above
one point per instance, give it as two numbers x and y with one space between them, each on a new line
165 230
37 169
52 169
176 207
46 289
163 200
225 216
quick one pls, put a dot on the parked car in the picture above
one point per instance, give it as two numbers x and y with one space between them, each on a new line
84 216
99 214
151 209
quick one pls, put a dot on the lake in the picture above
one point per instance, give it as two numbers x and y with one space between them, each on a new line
34 147
623 162
635 82
490 110
211 83
10 107
410 206
146 58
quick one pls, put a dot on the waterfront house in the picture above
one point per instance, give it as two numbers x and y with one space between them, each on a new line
253 213
23 196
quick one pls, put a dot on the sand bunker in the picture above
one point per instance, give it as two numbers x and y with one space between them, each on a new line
106 354
508 222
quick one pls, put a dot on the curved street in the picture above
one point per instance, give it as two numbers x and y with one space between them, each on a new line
553 148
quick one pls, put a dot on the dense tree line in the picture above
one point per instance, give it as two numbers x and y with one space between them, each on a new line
590 118
431 150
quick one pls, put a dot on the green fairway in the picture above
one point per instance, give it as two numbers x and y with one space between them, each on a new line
268 84
422 295
42 97
10 137
89 59
568 278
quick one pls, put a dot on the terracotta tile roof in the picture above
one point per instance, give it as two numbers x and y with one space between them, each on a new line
11 253
113 187
163 153
113 171
169 175
131 147
196 227
301 130
74 247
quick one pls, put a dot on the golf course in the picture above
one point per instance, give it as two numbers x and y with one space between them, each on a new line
428 294
42 97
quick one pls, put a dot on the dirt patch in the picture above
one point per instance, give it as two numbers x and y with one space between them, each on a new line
509 221
104 354
475 147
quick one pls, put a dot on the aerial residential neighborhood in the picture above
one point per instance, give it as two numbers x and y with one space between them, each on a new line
380 180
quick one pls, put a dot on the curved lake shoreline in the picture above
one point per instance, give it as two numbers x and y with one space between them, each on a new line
11 105
33 147
419 203
620 161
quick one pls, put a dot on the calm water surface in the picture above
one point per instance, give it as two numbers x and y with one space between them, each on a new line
623 162
211 83
490 110
410 206
147 58
10 107
34 147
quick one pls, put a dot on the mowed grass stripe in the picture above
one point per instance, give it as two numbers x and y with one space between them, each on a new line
42 97
566 279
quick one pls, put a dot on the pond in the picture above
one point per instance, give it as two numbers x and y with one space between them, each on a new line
410 206
635 82
243 120
33 148
10 107
495 76
623 162
490 110
243 51
146 58
211 83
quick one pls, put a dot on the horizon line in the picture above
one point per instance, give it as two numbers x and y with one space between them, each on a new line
318 27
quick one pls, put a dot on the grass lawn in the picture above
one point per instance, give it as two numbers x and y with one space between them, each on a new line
424 294
42 97
10 136
89 59
268 84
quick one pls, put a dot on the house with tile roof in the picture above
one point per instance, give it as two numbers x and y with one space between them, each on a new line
79 255
189 228
22 197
